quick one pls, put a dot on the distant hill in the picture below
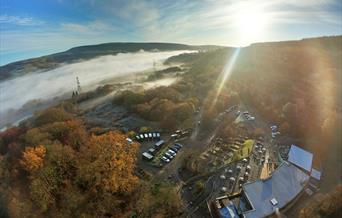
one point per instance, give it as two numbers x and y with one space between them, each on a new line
87 52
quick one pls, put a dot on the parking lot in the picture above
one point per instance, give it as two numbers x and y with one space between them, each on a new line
204 168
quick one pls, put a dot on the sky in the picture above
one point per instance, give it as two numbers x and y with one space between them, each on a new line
32 28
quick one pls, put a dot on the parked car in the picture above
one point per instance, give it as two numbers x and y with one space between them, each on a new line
174 149
168 155
251 118
178 145
165 159
152 151
171 152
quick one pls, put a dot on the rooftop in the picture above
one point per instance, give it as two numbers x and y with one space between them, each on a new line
279 189
229 211
147 155
316 174
300 157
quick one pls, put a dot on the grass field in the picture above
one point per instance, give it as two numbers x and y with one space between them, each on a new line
245 150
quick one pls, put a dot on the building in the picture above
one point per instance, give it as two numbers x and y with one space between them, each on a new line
147 156
279 191
301 158
225 208
263 197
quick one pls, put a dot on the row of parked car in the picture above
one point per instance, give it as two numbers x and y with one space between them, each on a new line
148 136
171 152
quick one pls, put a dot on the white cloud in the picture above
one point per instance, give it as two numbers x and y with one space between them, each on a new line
75 27
18 20
91 27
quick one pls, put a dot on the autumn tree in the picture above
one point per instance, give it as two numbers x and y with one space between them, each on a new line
228 130
107 163
128 99
9 136
209 114
71 132
169 123
4 172
324 205
144 129
184 111
43 188
143 109
258 132
36 136
160 200
33 158
161 108
285 128
52 115
55 178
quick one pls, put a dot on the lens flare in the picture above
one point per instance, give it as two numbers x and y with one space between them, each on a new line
226 72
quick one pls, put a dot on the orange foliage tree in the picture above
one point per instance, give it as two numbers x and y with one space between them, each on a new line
107 163
70 132
33 158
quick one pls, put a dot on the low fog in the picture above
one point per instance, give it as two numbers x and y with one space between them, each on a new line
61 81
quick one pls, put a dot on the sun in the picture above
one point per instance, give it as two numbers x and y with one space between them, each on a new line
251 24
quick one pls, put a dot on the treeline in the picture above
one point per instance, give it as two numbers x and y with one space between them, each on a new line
51 166
175 105
324 205
164 104
296 85
161 73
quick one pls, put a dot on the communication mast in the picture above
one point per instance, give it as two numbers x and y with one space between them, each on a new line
78 85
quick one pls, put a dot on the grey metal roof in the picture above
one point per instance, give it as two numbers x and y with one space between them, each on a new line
300 158
316 174
285 183
159 143
147 155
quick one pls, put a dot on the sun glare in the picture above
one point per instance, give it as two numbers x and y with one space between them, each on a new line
251 24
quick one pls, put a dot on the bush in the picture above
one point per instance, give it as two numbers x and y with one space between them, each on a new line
51 115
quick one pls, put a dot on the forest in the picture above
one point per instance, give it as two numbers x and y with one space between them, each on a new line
52 164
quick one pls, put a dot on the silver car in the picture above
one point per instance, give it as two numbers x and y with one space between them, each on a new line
165 159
